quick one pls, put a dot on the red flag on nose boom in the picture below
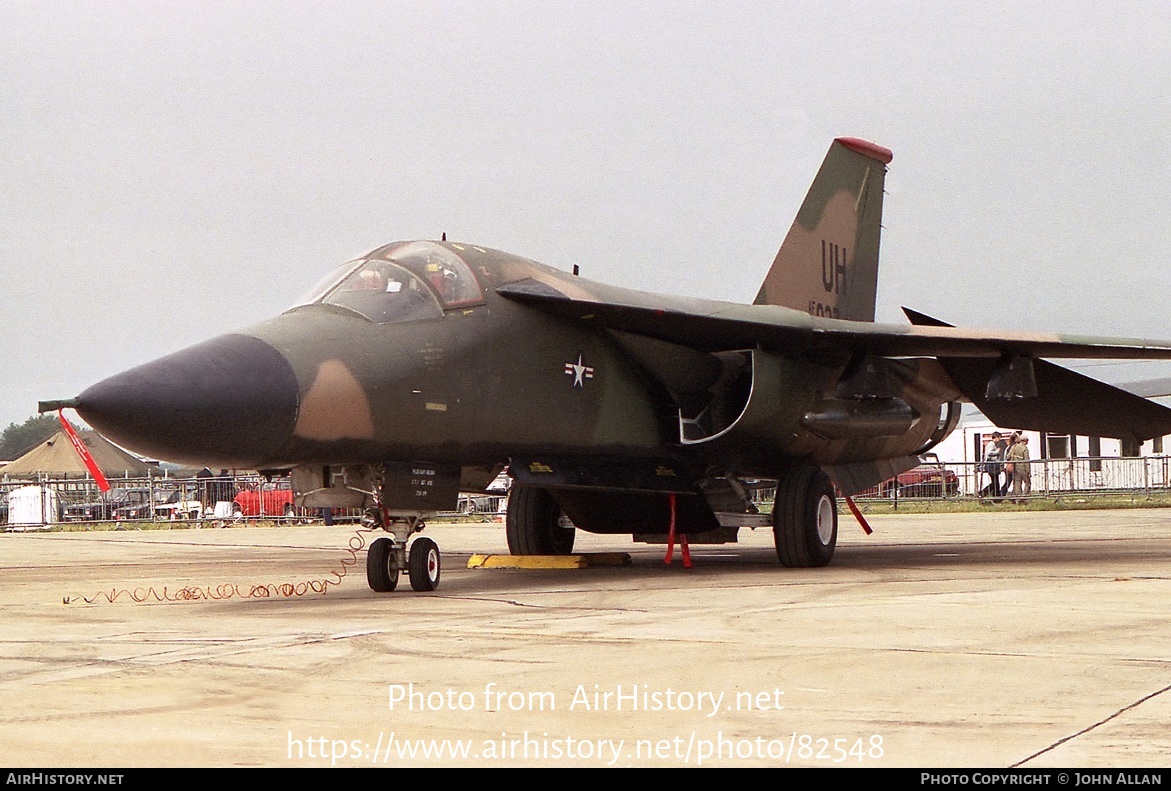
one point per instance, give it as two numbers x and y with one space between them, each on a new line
84 453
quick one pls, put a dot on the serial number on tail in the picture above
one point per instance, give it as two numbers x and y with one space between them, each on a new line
826 311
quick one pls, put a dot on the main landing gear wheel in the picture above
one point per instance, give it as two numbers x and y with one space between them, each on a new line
382 566
534 523
423 566
805 519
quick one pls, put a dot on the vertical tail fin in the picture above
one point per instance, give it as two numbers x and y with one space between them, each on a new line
828 264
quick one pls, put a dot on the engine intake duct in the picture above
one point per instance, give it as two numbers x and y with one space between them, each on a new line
838 418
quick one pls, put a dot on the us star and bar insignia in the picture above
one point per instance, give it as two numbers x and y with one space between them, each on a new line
579 371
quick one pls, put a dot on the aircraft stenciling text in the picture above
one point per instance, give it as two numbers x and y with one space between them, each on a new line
818 309
833 268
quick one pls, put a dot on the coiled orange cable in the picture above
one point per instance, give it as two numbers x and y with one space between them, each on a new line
231 590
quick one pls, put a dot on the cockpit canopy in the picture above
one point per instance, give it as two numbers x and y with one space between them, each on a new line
404 282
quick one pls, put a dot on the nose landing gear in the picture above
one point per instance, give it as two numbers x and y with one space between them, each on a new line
388 556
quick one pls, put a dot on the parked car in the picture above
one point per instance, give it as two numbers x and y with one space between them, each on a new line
139 507
930 479
270 499
116 503
179 504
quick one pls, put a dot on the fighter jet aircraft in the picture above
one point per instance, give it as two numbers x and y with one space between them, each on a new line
424 367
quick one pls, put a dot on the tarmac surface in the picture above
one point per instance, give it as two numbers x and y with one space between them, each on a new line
961 640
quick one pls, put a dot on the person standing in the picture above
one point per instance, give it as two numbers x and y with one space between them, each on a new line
205 491
993 463
1022 478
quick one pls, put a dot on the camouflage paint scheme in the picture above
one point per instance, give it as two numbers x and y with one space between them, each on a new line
839 222
607 397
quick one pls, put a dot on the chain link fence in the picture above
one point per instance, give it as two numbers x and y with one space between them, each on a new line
1054 479
1047 478
31 504
26 504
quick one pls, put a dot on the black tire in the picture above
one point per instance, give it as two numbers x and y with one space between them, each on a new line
805 519
533 523
382 566
423 565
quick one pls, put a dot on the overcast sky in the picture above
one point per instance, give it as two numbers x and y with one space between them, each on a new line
172 171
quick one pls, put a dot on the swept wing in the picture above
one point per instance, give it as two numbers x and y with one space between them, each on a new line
709 326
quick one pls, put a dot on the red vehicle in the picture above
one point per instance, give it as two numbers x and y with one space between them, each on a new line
929 479
269 499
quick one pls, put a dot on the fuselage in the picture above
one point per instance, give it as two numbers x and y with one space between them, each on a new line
410 354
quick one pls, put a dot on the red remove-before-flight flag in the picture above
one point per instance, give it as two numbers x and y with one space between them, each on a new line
84 453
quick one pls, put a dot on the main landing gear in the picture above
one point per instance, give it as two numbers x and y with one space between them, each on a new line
388 556
805 518
535 524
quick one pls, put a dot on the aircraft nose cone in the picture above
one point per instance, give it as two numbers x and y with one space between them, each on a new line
228 402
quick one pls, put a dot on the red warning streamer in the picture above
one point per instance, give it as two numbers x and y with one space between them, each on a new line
84 453
858 515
